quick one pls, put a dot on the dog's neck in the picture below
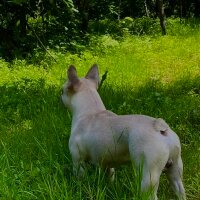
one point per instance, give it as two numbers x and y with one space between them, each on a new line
85 103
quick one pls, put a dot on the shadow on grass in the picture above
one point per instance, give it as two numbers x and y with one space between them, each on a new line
35 127
33 103
33 123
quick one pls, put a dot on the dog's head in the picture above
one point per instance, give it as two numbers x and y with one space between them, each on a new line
75 85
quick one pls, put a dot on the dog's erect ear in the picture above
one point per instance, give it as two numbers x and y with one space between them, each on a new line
93 74
72 77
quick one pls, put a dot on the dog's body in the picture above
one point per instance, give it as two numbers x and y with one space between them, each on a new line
108 140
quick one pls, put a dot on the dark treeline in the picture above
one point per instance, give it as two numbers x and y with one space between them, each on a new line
24 24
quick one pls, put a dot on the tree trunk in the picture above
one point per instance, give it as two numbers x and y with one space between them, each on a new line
83 7
146 8
161 15
23 24
197 8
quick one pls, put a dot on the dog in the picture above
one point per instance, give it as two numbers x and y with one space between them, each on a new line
108 140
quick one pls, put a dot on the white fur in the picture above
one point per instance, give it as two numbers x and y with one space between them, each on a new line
108 140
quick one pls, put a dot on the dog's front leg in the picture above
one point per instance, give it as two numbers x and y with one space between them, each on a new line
77 160
78 169
111 174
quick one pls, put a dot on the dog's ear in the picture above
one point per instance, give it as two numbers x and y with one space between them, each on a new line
73 78
93 74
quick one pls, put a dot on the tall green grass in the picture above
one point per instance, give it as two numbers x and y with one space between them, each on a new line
157 76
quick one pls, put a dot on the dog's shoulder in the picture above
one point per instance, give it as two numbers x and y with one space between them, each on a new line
108 113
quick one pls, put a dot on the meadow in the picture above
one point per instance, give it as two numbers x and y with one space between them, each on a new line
153 75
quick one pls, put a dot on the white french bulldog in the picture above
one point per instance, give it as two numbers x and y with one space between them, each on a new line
108 140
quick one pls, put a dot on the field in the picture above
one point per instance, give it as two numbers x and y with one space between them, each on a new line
153 75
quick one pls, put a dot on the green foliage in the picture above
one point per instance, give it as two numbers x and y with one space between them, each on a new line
28 24
141 26
128 25
189 26
104 26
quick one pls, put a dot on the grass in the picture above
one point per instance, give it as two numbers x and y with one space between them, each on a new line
157 76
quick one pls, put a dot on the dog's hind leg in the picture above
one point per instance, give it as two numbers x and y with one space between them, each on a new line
150 182
174 175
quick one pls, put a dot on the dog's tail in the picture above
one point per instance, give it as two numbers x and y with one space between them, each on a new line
160 125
